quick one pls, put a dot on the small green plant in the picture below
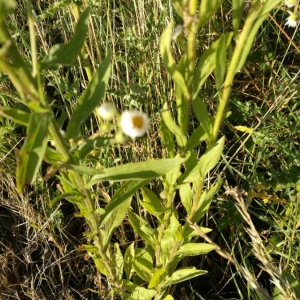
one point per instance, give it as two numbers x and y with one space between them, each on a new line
147 269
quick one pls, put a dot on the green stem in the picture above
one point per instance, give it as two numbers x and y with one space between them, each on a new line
196 200
232 69
32 35
186 225
190 24
163 226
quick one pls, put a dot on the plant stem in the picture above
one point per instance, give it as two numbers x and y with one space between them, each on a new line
163 226
32 35
232 69
190 23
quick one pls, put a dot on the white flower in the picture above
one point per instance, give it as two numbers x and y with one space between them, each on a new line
293 20
290 3
177 32
107 111
134 123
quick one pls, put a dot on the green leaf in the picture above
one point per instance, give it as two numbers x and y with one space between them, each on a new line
196 138
116 218
65 54
193 249
117 260
178 6
208 9
7 6
200 110
207 63
205 200
262 15
53 157
184 274
87 146
100 265
173 127
190 232
152 203
158 277
169 297
175 227
132 171
128 260
172 176
210 159
186 196
192 172
143 229
90 98
143 264
141 293
169 62
19 116
32 153
190 163
123 193
237 13
167 243
267 7
167 138
221 63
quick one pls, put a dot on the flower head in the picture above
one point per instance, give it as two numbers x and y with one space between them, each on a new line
107 111
134 123
177 32
293 20
290 3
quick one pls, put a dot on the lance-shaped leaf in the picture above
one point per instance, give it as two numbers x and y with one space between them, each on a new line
141 293
158 276
205 200
143 229
152 203
87 146
116 218
65 54
169 62
258 20
132 171
184 274
143 264
167 138
210 159
207 63
123 193
237 13
31 155
90 98
19 116
173 127
192 249
208 9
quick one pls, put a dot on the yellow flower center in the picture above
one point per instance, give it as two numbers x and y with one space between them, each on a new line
137 122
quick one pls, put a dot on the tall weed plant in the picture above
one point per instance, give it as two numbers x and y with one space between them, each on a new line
144 269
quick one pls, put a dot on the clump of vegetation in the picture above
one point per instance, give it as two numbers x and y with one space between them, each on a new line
149 149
